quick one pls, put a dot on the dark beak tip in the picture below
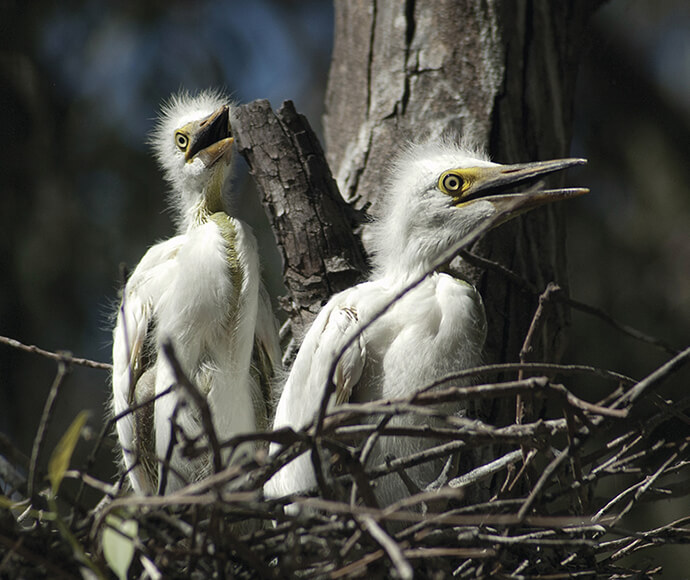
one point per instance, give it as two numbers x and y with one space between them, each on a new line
220 117
225 117
568 162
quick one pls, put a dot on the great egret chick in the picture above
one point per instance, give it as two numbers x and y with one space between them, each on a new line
437 193
201 291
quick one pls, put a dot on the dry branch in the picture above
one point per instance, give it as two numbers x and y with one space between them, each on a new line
312 224
58 356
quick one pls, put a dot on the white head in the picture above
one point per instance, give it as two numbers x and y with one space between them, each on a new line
193 144
439 191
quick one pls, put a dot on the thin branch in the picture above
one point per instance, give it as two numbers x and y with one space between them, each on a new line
527 286
58 356
200 402
523 405
394 513
390 546
484 471
48 408
649 481
655 378
541 482
624 328
551 368
105 430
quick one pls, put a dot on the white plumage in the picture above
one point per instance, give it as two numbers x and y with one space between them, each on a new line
202 291
437 193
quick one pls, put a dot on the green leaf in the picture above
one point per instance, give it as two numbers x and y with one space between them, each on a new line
118 543
59 460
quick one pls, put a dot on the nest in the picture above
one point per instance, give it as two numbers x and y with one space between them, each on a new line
549 500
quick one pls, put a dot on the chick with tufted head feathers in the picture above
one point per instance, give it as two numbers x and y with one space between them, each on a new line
438 192
201 291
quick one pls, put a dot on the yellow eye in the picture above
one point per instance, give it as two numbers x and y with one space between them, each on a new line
181 140
450 183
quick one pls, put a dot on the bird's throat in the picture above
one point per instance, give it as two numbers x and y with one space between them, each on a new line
210 203
228 231
214 193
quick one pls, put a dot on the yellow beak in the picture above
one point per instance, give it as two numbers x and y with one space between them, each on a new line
494 184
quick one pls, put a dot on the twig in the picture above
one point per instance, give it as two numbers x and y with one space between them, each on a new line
624 328
487 470
368 448
591 310
392 549
653 380
523 405
650 480
48 408
105 488
541 482
532 367
472 435
200 401
165 462
58 356
396 514
445 449
107 428
355 567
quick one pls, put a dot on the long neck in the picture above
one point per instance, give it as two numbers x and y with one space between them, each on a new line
403 254
195 209
243 271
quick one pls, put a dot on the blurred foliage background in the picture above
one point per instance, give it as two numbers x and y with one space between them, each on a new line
80 85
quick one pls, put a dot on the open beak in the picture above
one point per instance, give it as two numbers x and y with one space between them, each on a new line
498 185
212 139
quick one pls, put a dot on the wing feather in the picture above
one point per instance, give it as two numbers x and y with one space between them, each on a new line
326 339
134 356
343 324
301 398
265 358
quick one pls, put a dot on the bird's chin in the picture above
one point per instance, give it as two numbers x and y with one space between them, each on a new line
220 150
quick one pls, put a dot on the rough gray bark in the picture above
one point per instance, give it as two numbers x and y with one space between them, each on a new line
501 73
313 225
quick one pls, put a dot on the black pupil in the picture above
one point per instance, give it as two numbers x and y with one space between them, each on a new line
181 140
452 182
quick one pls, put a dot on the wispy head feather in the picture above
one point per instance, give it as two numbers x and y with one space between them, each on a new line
421 162
179 109
416 219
